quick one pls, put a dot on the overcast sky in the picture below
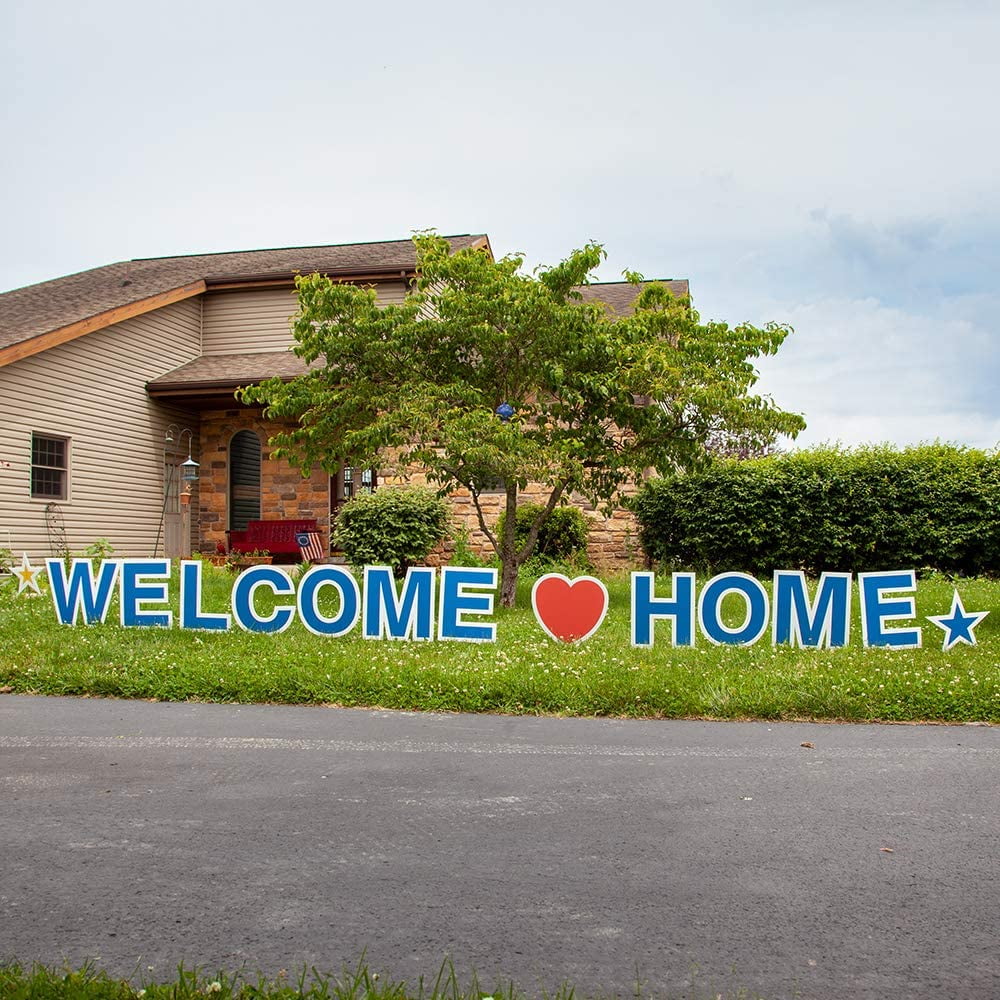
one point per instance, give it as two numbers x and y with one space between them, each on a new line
830 165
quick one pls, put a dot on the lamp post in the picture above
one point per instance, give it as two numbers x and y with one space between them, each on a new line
174 435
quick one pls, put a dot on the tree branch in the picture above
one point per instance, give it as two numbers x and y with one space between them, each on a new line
474 493
482 521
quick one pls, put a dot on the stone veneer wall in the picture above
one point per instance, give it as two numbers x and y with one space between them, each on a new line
284 491
612 542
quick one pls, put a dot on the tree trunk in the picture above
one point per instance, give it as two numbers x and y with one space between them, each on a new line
508 584
508 550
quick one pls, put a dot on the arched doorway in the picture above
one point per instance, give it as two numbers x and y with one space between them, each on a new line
244 480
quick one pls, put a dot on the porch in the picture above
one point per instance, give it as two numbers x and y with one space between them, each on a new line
239 479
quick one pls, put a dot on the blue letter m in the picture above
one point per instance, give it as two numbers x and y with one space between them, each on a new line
824 622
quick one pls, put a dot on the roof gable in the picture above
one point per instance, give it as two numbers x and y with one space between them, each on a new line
217 372
619 295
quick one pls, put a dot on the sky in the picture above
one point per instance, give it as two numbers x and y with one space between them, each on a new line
833 166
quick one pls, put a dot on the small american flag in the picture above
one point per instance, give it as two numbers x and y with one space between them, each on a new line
310 544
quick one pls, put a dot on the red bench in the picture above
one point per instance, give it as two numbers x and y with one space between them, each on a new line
276 537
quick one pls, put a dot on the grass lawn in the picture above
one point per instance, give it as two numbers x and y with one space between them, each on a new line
360 983
524 672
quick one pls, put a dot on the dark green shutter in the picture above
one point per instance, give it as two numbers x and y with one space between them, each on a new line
244 480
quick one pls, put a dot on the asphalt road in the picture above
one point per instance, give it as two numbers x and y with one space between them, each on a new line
541 850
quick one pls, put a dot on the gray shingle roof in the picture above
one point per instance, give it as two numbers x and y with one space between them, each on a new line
51 305
229 370
620 295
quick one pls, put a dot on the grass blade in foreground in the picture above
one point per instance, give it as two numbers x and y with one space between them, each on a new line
88 983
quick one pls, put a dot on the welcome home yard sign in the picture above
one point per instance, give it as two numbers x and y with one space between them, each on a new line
456 603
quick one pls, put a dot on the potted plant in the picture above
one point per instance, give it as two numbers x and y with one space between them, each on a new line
220 557
239 561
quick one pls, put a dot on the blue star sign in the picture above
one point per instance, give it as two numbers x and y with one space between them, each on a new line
958 624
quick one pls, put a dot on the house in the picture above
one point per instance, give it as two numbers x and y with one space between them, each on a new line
112 379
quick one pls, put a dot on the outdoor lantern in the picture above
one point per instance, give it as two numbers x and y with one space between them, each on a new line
505 411
189 470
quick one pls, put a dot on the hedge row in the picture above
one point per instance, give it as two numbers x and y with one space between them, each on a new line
933 506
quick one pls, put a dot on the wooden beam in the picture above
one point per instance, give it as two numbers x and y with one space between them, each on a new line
238 285
45 341
226 286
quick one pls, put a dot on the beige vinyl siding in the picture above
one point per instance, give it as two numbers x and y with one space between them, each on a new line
92 391
258 320
391 292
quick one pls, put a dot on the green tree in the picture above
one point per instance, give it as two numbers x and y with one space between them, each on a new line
596 399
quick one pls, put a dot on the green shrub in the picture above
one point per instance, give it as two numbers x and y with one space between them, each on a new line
392 527
561 537
933 506
100 549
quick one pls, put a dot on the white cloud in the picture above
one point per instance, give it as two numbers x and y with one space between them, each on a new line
862 371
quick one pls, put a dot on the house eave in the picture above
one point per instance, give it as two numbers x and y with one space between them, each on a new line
177 389
203 395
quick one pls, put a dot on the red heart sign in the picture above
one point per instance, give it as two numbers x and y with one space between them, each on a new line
569 610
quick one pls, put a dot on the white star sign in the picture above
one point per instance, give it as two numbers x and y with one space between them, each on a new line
958 624
27 575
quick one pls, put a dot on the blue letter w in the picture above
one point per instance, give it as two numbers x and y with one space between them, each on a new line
82 594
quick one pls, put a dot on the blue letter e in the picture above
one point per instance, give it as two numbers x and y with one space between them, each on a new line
456 601
876 610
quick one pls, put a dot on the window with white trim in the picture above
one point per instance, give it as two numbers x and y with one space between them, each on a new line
49 467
